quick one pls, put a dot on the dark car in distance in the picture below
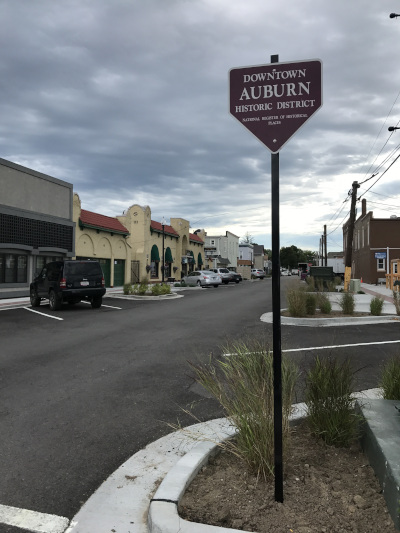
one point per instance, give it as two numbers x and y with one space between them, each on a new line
69 281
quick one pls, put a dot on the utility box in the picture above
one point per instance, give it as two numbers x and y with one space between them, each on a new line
355 285
322 273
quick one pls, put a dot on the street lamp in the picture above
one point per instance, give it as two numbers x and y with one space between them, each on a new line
163 222
392 128
394 15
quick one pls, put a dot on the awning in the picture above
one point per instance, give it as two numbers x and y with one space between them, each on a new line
155 256
191 257
199 260
168 255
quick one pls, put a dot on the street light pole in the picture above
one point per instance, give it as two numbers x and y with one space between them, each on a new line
163 255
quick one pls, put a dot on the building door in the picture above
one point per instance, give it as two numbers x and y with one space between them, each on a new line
135 269
106 268
119 272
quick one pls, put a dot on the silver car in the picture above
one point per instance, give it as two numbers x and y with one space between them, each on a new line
202 278
257 273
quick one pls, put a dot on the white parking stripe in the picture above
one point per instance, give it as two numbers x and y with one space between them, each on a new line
43 314
340 346
32 521
333 346
102 305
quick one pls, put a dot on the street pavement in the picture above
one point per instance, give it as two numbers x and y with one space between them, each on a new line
121 504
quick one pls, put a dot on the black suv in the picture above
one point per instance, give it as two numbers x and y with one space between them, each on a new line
69 281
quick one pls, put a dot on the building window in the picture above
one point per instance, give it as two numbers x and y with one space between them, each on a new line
381 264
13 268
212 242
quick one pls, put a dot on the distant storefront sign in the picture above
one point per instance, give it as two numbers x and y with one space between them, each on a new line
380 255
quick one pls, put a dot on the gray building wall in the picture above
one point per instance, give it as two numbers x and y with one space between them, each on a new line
36 225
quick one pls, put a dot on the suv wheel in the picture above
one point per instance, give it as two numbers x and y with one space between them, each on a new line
96 302
54 301
35 300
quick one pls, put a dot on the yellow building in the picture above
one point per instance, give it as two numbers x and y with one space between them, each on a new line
183 251
130 247
105 239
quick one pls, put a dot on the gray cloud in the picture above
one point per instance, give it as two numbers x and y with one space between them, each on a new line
128 100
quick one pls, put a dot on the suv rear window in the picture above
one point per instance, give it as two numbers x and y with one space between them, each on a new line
82 268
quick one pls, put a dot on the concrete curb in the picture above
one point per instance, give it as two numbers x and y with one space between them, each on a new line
327 322
163 514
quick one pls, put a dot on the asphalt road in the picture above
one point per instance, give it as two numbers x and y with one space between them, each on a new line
78 396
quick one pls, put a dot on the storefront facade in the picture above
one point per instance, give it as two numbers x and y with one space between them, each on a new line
149 241
105 239
36 225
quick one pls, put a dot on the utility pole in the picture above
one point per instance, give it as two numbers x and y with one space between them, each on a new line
350 233
326 253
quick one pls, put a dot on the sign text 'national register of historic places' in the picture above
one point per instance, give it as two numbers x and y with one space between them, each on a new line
273 101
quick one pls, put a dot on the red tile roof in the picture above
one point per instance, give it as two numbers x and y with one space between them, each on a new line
167 229
194 237
94 220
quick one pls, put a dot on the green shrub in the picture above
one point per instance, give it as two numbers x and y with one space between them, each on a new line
296 300
142 288
158 290
376 306
324 303
390 379
311 303
319 284
329 403
347 303
127 288
243 385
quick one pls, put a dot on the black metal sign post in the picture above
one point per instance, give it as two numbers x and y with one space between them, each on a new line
273 102
276 323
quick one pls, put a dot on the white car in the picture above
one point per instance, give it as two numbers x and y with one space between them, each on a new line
285 272
295 271
202 278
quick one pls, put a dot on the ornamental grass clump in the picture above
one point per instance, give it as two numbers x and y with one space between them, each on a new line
329 402
347 303
390 379
324 303
311 303
376 306
396 301
296 300
242 382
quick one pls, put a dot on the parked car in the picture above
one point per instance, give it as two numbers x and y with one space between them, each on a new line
285 272
202 278
226 275
257 273
69 281
236 277
295 271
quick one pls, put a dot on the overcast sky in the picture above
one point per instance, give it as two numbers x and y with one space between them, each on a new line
128 100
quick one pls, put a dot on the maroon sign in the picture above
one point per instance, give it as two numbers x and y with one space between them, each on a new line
273 101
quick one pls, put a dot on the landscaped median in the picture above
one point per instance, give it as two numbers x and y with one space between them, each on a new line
308 306
328 484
